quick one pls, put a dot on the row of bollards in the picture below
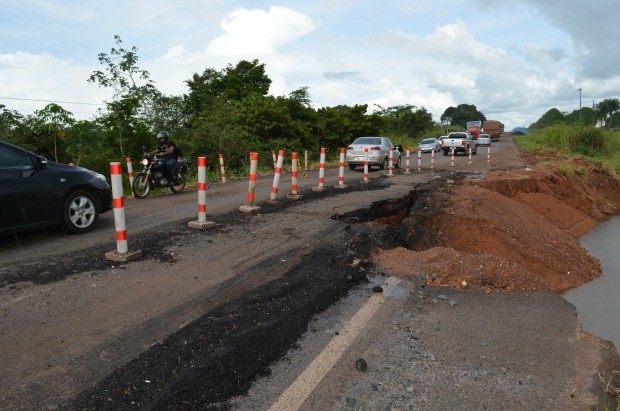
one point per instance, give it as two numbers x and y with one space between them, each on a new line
122 252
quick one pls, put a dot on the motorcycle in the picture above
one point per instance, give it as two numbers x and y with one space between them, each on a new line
153 177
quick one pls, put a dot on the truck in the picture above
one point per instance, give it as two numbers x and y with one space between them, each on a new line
474 128
493 128
459 141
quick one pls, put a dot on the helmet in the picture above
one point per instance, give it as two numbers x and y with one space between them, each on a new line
163 134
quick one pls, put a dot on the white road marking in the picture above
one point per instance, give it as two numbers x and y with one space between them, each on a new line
309 379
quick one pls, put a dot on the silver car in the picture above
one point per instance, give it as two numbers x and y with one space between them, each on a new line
378 152
484 140
427 145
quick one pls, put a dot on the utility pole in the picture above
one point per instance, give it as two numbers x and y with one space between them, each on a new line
579 105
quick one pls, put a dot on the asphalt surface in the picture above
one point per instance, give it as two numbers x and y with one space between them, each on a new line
230 318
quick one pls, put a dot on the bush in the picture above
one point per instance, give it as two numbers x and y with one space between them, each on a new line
588 141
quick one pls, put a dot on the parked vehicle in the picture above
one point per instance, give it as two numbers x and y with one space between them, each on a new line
152 176
493 128
35 192
474 128
378 152
484 140
460 141
428 144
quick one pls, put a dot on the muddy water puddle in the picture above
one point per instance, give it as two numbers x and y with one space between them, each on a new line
598 302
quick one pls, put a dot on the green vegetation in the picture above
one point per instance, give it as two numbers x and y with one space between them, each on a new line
606 113
227 111
594 144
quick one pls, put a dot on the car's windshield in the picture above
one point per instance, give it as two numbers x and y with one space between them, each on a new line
368 140
428 141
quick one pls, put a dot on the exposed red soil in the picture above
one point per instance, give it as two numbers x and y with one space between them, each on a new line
515 230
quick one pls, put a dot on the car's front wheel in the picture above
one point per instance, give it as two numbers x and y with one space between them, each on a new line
80 212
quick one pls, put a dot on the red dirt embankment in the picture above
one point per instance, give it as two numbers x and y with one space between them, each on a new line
515 230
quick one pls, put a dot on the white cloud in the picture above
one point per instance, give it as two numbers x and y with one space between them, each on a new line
45 77
259 32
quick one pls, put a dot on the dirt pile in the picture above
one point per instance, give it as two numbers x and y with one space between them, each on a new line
516 230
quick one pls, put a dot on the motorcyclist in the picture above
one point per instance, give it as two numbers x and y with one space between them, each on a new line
171 153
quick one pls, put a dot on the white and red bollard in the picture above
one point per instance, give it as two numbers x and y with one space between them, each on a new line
419 160
432 158
365 180
489 154
202 222
273 197
294 195
452 157
249 207
130 173
321 185
122 252
390 163
407 157
222 170
341 183
469 162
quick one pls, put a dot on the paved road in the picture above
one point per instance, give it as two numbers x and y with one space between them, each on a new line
154 211
205 313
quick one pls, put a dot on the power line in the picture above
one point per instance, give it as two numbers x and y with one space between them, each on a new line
51 101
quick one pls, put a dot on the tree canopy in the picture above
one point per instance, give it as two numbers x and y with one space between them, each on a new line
461 114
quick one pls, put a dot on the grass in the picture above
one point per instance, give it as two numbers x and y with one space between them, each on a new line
594 146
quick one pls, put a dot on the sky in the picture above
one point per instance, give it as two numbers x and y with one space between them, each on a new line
513 59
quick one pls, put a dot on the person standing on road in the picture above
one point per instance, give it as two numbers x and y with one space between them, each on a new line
171 154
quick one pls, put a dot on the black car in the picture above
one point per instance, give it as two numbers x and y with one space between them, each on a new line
35 192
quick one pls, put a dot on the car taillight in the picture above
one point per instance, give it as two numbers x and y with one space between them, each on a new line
463 143
375 148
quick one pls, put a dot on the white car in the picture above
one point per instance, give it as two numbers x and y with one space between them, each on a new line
484 140
378 152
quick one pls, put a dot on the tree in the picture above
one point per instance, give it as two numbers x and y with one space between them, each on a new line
406 120
123 74
134 92
607 108
551 117
12 128
585 117
461 114
340 125
55 119
233 83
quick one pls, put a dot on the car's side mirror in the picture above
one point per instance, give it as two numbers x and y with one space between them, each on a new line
41 162
400 148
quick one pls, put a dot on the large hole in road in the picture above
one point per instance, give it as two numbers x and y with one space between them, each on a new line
389 212
404 222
